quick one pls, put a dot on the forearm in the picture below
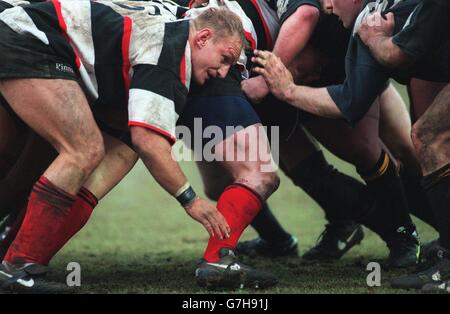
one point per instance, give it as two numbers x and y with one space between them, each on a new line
387 53
156 153
164 169
313 100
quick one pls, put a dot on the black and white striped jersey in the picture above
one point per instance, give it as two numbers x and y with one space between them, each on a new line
127 53
6 4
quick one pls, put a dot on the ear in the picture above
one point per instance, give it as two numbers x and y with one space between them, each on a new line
202 36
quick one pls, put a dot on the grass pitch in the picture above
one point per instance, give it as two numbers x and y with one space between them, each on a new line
139 240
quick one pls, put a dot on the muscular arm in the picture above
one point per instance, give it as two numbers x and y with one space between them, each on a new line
376 33
294 35
314 100
155 152
387 53
351 99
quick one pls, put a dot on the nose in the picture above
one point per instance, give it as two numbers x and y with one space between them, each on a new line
328 6
223 71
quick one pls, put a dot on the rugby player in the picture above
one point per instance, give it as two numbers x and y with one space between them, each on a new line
235 198
395 129
427 29
365 77
236 110
326 168
263 182
55 50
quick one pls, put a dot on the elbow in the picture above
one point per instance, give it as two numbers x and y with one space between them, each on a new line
306 13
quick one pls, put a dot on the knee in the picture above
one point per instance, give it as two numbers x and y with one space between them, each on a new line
264 183
90 155
125 157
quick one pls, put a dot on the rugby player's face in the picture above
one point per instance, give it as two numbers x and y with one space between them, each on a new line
347 10
213 59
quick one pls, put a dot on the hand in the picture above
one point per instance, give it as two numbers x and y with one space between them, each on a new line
375 26
255 89
277 76
208 215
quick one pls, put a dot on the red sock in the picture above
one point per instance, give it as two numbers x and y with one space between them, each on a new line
77 217
239 205
47 211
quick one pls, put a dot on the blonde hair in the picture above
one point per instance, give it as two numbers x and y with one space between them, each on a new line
224 23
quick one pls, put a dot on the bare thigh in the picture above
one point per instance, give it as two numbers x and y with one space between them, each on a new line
56 109
395 128
360 145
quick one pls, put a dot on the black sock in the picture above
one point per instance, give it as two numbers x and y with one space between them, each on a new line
418 202
437 187
341 197
387 189
268 227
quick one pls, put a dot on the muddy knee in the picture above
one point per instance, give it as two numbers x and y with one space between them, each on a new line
263 183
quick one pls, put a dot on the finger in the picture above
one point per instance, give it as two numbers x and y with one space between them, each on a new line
208 227
212 217
259 70
260 61
262 54
225 228
216 228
